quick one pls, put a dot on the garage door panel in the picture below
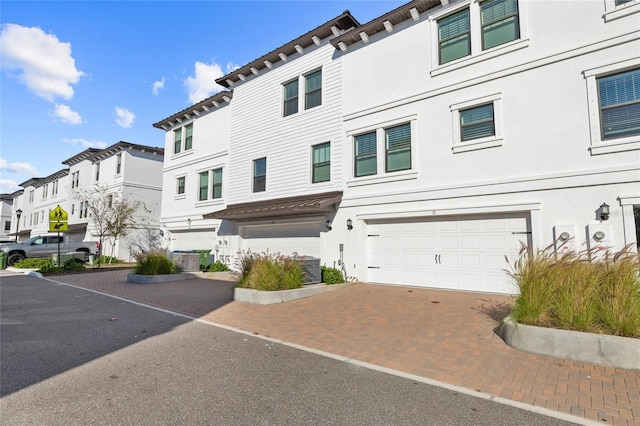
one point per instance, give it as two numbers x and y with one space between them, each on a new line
464 253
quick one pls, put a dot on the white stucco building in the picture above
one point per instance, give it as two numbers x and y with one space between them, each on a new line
423 147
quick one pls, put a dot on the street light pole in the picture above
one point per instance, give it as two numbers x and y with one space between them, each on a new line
18 214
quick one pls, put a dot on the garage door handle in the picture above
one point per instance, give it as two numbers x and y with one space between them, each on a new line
373 267
523 232
437 259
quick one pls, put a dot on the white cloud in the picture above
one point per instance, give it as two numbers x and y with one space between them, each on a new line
67 115
203 83
18 167
231 67
124 117
43 63
8 186
157 85
85 143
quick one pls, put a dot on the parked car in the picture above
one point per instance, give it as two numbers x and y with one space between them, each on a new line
45 246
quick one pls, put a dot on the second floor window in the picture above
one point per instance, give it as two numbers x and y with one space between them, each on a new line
477 122
398 148
180 185
118 163
321 163
260 175
97 171
31 193
365 154
204 186
177 141
313 89
619 96
290 98
217 183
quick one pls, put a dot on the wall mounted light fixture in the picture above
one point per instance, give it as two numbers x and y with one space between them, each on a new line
604 211
328 224
349 224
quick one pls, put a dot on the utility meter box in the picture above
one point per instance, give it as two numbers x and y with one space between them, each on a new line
599 236
565 238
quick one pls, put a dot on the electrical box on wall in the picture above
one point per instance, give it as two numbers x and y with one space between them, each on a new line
599 236
565 238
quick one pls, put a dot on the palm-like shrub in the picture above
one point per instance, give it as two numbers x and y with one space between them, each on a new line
269 272
154 263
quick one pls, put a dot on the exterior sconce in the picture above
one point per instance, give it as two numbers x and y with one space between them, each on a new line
349 224
604 211
189 222
161 233
328 224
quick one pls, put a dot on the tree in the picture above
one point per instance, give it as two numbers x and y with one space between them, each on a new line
111 215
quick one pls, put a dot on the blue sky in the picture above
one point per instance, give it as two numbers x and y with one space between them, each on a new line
79 74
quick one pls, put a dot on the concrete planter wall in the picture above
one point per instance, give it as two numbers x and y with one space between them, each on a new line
259 297
610 351
161 278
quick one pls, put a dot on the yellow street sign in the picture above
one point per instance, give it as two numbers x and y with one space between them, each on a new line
58 215
58 226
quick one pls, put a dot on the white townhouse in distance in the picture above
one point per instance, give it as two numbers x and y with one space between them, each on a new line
126 170
425 146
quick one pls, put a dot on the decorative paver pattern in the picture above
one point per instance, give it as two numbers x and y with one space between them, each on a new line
441 335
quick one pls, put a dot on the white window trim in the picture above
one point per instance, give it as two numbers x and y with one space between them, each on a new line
310 178
613 12
477 54
182 196
382 176
480 143
302 94
598 144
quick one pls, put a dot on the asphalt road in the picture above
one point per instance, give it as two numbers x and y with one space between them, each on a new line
73 357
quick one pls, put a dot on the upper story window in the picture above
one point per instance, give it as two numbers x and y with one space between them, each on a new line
45 191
365 162
110 200
454 36
619 96
477 123
321 163
216 176
313 89
290 98
54 188
471 31
7 225
398 148
75 179
31 194
260 175
177 140
180 185
97 171
118 163
500 24
203 193
188 137
312 86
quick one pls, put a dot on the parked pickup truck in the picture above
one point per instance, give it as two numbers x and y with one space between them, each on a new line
45 246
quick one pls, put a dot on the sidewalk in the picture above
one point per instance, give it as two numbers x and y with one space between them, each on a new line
440 335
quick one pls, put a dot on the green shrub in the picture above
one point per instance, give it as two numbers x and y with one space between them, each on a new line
218 266
33 262
579 291
50 268
269 272
154 263
108 259
331 275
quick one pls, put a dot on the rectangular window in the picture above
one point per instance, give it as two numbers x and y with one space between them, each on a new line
619 96
260 175
73 208
54 187
35 218
188 137
291 98
365 154
321 163
204 186
118 163
398 148
499 22
110 200
177 141
619 2
97 171
81 208
477 122
85 209
75 179
217 183
45 190
313 90
7 225
31 193
454 37
181 181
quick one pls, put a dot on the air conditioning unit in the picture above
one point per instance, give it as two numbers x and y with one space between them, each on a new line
311 267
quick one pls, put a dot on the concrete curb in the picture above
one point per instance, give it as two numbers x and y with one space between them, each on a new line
162 278
258 297
610 351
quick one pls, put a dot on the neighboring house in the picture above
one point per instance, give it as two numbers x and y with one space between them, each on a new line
6 216
124 170
428 145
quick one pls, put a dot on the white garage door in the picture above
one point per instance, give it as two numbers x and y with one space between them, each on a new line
461 253
302 239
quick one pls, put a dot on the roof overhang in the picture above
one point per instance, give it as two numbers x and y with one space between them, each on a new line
304 205
218 100
77 227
